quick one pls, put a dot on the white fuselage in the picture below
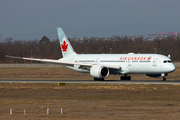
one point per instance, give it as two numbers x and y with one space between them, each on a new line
130 63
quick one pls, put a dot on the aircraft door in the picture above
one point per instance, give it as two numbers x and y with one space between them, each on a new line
155 61
97 60
72 59
129 63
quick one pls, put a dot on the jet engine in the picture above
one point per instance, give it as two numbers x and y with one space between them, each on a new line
99 71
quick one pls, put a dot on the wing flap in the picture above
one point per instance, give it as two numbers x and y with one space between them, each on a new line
113 66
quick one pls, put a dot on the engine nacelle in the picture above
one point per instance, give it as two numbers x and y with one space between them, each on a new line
99 71
154 75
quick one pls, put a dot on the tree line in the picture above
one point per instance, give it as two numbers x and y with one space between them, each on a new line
50 49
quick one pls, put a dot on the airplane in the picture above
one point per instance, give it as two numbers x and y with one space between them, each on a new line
101 65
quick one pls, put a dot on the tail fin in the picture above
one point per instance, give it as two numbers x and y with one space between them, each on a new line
65 45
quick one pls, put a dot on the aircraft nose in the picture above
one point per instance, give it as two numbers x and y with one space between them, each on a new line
172 67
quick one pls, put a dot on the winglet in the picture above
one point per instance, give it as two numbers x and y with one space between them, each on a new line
14 57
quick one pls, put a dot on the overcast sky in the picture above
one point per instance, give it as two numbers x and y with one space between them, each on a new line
31 19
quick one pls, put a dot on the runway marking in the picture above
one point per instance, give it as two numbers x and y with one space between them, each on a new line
143 82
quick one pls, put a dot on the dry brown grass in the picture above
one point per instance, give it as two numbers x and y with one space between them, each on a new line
89 101
85 101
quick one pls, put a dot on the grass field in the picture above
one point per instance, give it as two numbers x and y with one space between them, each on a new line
90 101
85 101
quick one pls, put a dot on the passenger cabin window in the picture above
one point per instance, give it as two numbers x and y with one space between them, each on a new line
167 61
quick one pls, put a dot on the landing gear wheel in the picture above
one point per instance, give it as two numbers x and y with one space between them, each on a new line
129 78
164 78
122 78
125 78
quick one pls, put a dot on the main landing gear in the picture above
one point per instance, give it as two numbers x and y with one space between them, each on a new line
125 77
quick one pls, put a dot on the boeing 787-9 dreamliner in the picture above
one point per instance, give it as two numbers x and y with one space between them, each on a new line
101 65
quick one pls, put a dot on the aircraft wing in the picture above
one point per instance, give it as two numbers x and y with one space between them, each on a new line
86 66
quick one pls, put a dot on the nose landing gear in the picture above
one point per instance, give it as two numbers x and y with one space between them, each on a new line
163 76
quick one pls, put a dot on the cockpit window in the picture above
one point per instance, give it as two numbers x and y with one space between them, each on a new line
167 61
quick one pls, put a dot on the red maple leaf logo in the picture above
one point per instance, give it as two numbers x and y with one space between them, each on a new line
149 58
64 46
